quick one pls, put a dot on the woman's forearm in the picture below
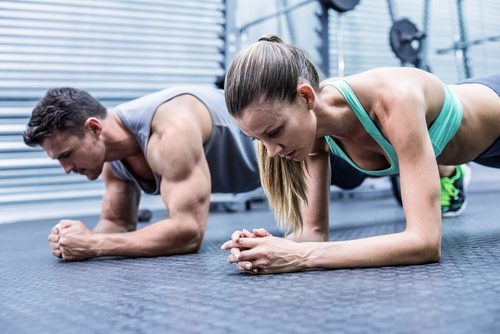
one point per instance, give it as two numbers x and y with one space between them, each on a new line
403 248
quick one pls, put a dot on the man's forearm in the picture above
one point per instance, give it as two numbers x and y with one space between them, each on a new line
162 238
114 226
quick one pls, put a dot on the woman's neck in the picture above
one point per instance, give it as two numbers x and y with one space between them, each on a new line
332 114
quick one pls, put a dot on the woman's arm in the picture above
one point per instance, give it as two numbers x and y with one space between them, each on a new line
315 212
276 255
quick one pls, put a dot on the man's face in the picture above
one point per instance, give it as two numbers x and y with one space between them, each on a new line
83 155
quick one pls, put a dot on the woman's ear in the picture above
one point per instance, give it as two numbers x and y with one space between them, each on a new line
305 91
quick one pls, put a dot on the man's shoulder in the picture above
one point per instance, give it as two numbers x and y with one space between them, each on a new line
172 131
182 116
170 94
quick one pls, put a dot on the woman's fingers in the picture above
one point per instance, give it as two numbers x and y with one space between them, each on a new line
236 235
248 255
229 245
243 243
244 234
244 266
247 234
252 267
235 252
261 232
250 242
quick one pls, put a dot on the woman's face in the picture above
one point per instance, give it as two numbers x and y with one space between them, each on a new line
287 130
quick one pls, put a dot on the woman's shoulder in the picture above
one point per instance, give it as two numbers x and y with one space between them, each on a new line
383 74
391 82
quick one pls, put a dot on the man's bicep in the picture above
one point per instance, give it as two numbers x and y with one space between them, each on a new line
186 185
189 194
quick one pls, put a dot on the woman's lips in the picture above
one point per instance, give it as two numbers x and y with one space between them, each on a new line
290 155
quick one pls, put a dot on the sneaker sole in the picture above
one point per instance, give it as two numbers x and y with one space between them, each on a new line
452 214
467 176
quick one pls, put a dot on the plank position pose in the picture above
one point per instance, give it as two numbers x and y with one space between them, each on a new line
382 121
180 143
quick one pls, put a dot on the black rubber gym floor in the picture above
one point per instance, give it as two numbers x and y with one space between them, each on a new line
201 293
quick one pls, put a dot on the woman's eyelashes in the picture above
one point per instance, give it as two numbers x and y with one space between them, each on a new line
274 133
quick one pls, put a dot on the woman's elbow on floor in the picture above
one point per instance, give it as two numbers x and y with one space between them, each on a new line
429 251
433 254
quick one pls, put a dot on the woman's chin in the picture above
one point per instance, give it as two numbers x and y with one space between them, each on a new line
299 156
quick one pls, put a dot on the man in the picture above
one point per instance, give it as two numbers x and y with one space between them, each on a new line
179 143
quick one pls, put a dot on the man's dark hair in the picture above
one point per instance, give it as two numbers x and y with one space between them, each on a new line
61 109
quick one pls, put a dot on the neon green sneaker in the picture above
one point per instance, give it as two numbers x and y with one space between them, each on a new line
453 188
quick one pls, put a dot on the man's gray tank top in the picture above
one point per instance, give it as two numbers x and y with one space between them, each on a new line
230 154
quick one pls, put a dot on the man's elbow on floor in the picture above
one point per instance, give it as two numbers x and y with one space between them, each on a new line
191 239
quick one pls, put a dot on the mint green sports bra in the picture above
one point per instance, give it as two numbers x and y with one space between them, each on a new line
442 130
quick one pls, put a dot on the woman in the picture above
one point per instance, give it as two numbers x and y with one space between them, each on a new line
383 121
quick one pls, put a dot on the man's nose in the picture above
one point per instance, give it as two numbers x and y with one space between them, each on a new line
67 166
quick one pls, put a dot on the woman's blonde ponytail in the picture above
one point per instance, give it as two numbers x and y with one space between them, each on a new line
285 187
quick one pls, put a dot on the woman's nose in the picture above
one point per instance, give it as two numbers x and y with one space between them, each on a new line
273 149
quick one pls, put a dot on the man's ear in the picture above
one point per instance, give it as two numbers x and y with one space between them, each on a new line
93 125
306 91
